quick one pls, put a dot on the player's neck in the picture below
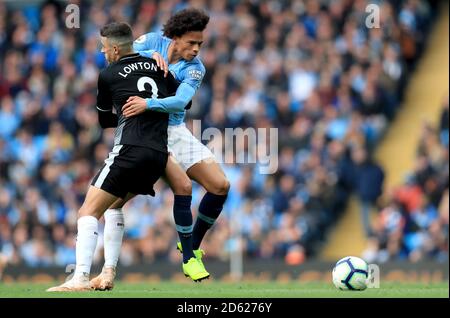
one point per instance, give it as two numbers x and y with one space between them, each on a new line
172 55
127 53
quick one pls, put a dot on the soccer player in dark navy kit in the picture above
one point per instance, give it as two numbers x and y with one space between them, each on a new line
176 50
139 156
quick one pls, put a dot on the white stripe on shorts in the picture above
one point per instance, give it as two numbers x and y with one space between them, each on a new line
109 161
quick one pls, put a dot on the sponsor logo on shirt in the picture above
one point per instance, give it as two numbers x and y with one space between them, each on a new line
196 74
141 39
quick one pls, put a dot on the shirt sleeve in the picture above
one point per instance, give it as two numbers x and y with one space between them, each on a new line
147 53
191 78
104 101
193 74
173 104
146 42
106 117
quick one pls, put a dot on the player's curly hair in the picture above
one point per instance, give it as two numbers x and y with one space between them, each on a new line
185 21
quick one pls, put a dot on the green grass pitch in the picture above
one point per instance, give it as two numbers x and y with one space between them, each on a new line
211 289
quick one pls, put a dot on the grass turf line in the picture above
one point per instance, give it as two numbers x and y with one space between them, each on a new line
235 290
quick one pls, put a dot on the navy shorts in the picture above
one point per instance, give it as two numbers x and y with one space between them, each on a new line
131 169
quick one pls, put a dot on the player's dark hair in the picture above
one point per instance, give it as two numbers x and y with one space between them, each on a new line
185 21
119 32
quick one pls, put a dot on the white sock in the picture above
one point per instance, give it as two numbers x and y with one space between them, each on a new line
113 234
86 243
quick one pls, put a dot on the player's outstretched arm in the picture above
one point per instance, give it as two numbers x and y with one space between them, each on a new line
136 105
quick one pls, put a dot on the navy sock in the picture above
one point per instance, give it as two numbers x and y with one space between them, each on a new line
183 222
208 211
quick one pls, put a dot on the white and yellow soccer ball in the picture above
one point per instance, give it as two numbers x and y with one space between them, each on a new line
350 273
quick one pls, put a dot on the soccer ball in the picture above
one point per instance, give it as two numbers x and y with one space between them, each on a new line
350 273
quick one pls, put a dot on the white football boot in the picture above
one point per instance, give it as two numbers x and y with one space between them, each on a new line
75 284
104 281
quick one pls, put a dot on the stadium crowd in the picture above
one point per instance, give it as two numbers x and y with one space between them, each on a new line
313 69
413 224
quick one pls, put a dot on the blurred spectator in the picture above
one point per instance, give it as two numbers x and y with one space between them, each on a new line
3 263
366 178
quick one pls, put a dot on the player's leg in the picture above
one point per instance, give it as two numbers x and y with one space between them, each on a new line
110 183
113 233
182 188
210 175
114 229
180 184
112 243
198 161
95 204
176 178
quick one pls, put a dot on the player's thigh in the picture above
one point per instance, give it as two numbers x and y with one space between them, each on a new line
210 175
142 178
186 149
96 202
121 202
177 178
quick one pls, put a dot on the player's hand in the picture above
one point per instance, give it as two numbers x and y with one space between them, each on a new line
135 105
161 62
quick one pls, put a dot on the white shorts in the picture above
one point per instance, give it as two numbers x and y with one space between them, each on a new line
185 148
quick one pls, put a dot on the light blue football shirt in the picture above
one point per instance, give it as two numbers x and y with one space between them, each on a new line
189 72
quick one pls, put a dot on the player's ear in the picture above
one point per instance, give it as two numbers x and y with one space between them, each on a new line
175 38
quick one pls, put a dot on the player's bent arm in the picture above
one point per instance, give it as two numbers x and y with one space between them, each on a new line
106 118
172 104
158 58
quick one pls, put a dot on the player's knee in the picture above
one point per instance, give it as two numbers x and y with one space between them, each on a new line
118 204
226 186
183 187
87 211
220 187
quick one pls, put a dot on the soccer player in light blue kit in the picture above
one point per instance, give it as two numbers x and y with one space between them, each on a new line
178 48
